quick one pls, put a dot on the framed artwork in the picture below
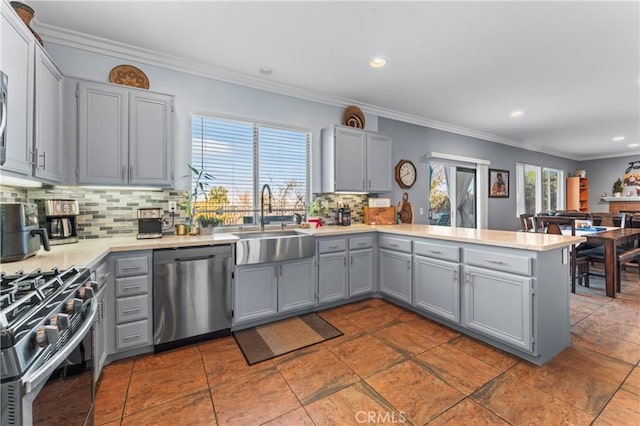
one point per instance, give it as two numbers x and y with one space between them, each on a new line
498 183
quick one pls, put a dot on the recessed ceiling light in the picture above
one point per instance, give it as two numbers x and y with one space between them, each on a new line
618 138
266 70
378 62
633 145
516 113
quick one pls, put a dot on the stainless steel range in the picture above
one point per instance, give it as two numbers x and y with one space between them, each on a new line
46 321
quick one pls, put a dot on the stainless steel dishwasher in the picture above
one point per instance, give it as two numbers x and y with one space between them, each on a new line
191 294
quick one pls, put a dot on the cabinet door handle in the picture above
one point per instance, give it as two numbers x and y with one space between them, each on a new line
344 261
362 244
393 245
130 268
275 271
132 310
333 247
351 260
435 251
495 262
408 264
130 287
124 173
44 161
133 336
130 173
363 184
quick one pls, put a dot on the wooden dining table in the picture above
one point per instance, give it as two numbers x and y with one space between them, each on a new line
610 238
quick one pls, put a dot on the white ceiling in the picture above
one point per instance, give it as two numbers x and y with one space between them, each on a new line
573 67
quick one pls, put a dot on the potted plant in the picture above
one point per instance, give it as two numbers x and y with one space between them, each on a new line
199 188
315 210
207 224
617 188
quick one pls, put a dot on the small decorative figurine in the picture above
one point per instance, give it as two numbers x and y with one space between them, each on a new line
405 211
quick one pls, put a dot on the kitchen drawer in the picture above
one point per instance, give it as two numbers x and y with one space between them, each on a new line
332 245
356 243
436 250
498 261
130 309
132 335
131 286
397 244
128 266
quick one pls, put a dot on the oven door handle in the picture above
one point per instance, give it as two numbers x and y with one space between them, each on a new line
41 374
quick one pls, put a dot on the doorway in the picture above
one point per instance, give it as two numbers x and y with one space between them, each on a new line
452 195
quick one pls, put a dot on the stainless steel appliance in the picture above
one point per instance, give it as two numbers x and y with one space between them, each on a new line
191 294
60 219
4 80
46 322
149 223
21 235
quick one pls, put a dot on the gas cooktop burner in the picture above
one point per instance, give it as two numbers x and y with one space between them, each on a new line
23 296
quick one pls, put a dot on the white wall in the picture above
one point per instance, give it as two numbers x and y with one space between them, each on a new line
198 94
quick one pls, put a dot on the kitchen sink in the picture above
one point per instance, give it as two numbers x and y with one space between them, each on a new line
273 246
249 235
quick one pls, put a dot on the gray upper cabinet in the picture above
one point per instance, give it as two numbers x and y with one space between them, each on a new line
355 160
378 162
125 136
150 139
18 57
48 156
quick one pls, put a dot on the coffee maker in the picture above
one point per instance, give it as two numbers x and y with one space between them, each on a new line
20 233
60 219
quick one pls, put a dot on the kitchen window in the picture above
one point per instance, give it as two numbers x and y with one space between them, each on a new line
242 157
538 189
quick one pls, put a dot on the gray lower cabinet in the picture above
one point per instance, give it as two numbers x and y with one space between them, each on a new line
101 275
360 272
332 277
130 321
296 289
498 304
396 274
436 287
267 289
255 292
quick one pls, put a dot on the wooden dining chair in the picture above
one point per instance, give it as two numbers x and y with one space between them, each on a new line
610 219
526 222
579 264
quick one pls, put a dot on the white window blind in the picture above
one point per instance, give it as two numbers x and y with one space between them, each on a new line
243 157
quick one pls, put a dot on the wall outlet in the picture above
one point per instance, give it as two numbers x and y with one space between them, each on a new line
421 211
173 207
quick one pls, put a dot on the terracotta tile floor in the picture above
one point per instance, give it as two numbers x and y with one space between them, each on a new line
392 366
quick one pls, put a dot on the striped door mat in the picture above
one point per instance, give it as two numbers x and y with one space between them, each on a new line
268 341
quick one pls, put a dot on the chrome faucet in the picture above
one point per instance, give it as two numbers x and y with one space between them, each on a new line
268 188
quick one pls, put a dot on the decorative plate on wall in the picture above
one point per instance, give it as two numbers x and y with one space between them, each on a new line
128 75
353 117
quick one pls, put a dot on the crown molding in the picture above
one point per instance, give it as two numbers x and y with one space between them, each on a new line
99 45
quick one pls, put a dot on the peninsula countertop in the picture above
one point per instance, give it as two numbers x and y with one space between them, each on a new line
89 253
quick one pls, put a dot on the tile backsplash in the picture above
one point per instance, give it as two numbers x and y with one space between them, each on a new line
112 212
103 212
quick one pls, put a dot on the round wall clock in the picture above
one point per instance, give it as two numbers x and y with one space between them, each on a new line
405 174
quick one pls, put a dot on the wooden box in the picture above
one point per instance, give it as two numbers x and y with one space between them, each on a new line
380 215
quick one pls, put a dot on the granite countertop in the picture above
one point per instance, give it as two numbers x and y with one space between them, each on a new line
89 253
